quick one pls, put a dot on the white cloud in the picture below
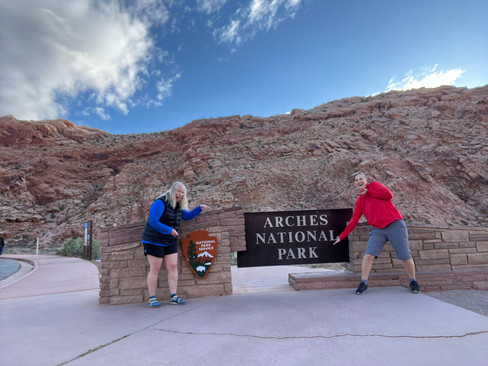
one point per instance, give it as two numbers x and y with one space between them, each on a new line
429 78
59 52
99 111
210 6
98 55
229 33
165 87
258 16
151 11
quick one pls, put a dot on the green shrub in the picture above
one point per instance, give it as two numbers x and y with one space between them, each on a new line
73 247
233 258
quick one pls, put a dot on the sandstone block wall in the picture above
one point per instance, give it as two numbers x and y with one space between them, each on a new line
433 249
446 258
124 267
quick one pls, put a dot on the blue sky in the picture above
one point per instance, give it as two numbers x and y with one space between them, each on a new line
148 65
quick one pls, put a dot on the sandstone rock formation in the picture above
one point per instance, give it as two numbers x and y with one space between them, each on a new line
429 146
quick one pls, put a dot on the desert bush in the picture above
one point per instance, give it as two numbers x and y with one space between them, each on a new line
73 247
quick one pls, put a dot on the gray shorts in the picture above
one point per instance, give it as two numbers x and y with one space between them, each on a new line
396 233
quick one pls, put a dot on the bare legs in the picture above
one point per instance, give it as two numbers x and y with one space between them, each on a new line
366 267
152 276
410 267
171 264
368 263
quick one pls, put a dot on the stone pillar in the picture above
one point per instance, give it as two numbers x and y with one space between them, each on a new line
124 267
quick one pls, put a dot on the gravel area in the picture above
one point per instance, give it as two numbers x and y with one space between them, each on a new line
473 300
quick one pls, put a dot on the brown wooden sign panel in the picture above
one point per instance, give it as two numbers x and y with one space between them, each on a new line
200 251
294 237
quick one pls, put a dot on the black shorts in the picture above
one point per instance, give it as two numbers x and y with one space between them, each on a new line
158 250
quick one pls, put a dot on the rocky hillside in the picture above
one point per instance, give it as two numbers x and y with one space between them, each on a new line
429 146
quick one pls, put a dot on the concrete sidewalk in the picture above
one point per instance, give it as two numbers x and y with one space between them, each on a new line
48 274
52 317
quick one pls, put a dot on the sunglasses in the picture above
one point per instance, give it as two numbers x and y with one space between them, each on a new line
357 173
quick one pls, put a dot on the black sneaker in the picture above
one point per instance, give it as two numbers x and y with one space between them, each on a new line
361 288
414 287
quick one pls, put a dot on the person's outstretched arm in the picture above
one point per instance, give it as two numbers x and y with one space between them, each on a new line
356 215
188 215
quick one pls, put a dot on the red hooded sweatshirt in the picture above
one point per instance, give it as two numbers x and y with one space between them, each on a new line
376 206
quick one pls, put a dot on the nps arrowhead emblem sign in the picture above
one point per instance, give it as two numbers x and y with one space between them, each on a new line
200 251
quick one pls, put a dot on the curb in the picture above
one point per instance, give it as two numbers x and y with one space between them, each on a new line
27 268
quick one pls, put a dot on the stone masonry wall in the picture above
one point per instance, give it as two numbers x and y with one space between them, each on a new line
124 267
446 258
433 249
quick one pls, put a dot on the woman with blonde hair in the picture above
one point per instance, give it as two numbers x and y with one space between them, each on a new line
386 223
159 238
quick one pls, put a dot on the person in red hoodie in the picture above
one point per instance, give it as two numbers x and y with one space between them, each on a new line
374 202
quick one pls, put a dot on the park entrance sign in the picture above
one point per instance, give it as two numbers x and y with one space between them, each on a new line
294 237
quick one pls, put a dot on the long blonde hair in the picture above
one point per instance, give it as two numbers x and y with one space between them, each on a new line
171 197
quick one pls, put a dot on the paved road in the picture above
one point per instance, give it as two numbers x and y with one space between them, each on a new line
51 316
8 268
